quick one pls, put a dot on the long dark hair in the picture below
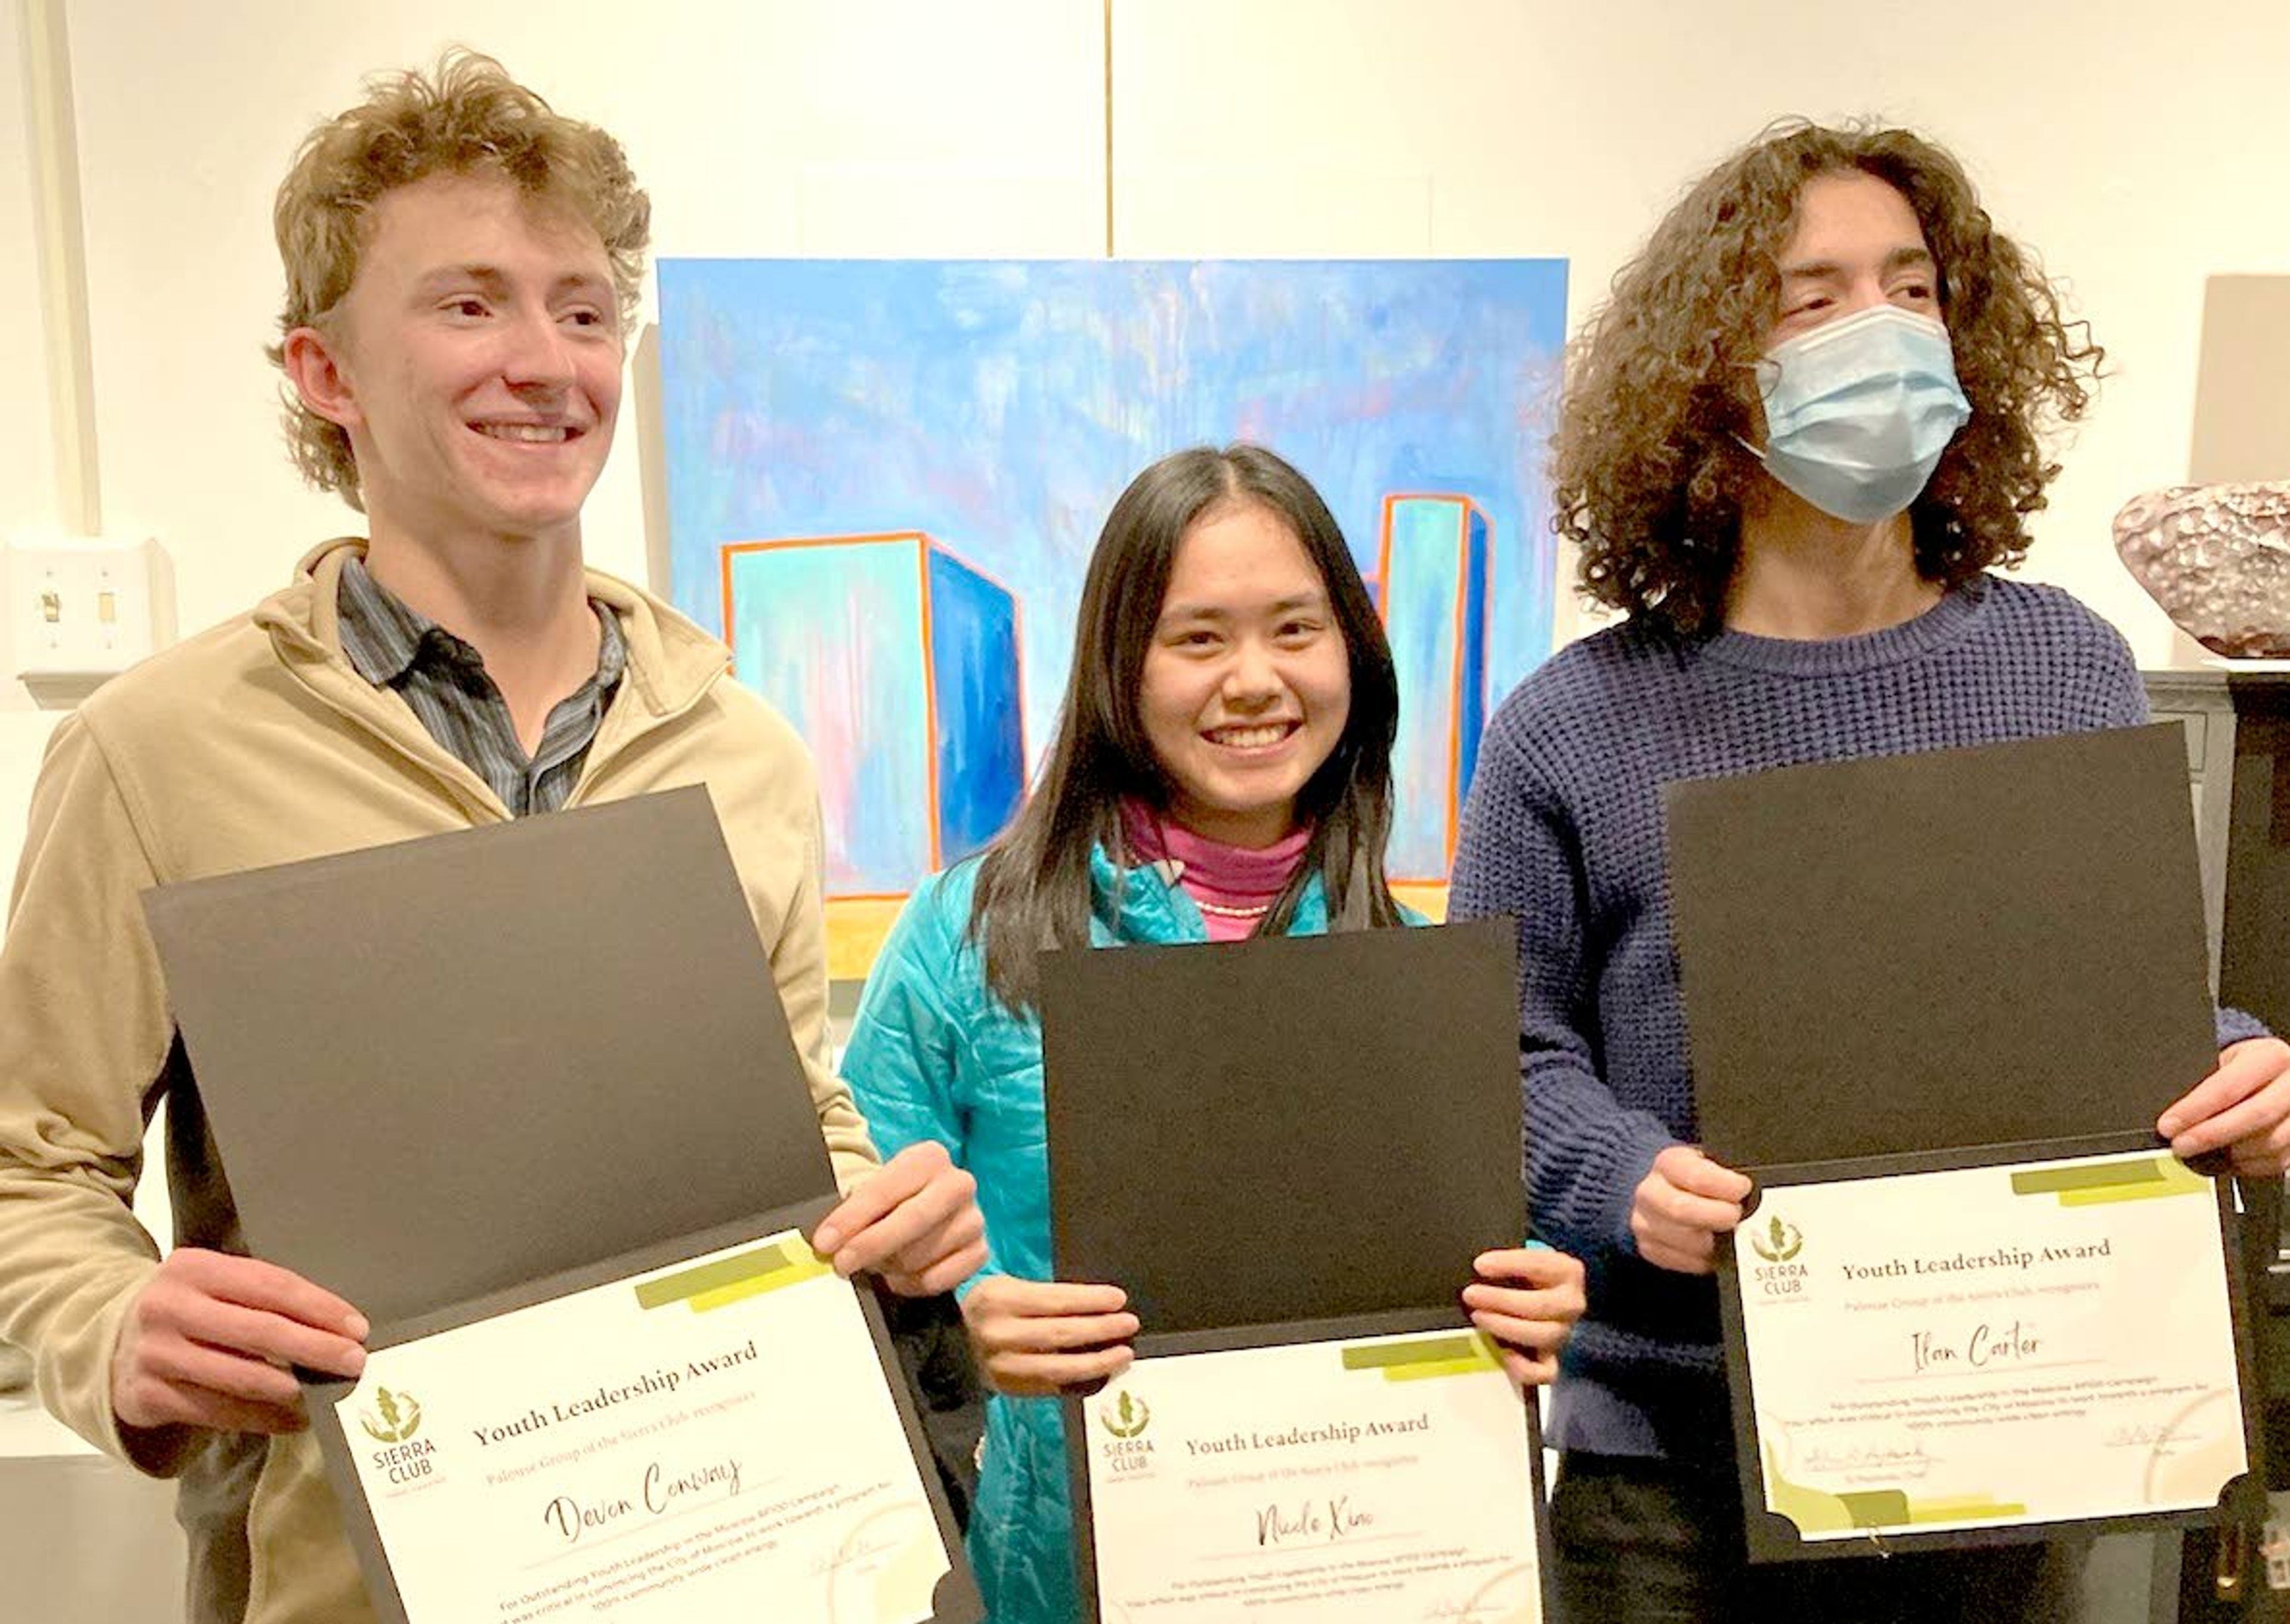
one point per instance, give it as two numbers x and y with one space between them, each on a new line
1033 889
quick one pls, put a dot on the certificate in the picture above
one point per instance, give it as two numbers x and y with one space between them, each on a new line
711 1436
606 1377
1291 1184
1922 1354
1363 1480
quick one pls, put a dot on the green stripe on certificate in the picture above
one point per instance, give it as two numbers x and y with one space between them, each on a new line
794 1274
1816 1511
742 1275
1972 1508
2100 1183
2173 1178
1431 1370
1422 1358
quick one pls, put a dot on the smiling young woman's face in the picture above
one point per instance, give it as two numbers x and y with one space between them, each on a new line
1247 682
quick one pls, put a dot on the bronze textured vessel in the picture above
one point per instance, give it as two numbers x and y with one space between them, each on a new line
2217 559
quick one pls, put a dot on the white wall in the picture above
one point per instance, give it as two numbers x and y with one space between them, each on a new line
27 463
2131 144
782 128
1243 127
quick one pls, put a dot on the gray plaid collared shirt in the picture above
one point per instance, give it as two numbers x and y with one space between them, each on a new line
445 682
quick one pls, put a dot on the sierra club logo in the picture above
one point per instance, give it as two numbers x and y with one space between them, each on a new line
1781 1242
399 1421
1128 1419
1778 1242
1126 1451
403 1460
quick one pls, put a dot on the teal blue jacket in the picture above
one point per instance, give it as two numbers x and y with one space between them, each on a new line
935 1055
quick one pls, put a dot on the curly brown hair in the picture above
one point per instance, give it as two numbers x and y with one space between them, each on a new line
465 116
1650 477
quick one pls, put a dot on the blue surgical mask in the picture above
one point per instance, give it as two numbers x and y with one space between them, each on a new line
1858 412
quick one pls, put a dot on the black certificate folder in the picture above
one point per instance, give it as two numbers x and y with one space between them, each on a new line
510 1052
1936 1002
1268 1132
1288 1152
1977 946
526 1096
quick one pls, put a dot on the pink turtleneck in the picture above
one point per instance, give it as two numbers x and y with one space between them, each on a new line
1233 886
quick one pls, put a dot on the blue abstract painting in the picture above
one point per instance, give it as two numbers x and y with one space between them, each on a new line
885 478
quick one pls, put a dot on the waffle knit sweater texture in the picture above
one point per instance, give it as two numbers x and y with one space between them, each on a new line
1562 830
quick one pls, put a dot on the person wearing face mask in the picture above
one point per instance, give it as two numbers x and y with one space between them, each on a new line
1793 447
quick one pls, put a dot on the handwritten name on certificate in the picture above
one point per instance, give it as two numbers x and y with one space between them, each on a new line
710 1441
1347 1483
1990 1347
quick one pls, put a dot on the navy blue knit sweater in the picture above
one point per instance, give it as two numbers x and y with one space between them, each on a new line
1564 830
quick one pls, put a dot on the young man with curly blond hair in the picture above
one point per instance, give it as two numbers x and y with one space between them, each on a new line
462 266
1793 444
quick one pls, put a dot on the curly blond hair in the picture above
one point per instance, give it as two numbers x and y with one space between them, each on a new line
465 116
1650 477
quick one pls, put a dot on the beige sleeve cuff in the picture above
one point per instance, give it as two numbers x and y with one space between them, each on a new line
73 1374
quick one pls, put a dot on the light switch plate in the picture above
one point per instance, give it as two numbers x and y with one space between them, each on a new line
86 608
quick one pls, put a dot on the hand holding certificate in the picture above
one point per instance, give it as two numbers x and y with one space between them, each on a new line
690 1441
568 1173
1974 1296
1309 1420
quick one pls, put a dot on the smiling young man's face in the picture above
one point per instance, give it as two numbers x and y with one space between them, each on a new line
476 363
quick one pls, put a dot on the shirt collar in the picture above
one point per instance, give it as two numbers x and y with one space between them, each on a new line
385 638
381 636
